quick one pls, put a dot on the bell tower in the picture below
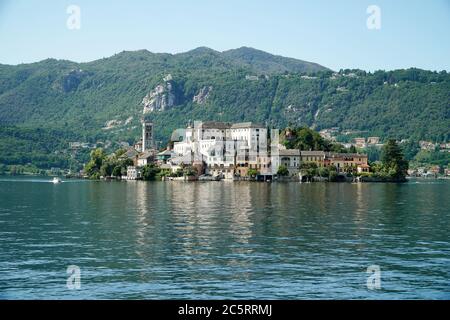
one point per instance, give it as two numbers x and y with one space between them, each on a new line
147 136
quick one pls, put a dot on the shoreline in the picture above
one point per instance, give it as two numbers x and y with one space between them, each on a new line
282 180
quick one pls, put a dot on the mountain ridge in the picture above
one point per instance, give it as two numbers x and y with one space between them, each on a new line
302 65
105 99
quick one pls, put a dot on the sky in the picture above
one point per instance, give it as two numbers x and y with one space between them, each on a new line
333 33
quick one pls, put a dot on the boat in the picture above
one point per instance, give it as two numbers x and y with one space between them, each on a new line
56 180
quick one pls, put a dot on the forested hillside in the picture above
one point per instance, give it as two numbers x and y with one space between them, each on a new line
45 105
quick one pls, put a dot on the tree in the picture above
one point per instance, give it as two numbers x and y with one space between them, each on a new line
394 161
189 171
308 169
119 152
337 147
410 149
252 173
117 171
282 171
333 176
373 153
149 172
106 169
304 138
92 168
324 172
178 173
97 157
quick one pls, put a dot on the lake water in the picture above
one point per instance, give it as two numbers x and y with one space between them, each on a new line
217 240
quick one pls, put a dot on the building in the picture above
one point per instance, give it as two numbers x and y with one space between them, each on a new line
427 145
146 157
143 151
233 150
165 155
226 149
317 157
131 154
251 78
147 136
133 173
360 142
329 134
81 145
373 140
444 147
361 168
435 170
75 145
289 158
138 146
249 147
346 162
343 162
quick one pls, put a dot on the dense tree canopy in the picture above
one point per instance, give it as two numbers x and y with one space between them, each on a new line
393 161
45 105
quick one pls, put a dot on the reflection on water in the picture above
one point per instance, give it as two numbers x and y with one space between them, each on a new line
224 240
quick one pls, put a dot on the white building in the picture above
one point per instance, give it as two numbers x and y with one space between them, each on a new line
223 146
146 158
133 173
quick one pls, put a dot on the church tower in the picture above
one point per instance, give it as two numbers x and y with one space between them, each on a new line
147 136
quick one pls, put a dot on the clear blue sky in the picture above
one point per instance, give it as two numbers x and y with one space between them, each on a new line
330 32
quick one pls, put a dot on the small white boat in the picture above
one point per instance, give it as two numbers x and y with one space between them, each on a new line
56 180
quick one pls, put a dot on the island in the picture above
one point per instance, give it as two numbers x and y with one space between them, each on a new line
246 151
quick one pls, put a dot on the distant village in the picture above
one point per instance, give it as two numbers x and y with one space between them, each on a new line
244 151
363 143
236 151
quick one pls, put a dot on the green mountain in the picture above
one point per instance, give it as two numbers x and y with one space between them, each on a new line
266 63
45 105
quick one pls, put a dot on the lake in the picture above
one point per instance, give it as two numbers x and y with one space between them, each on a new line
224 240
